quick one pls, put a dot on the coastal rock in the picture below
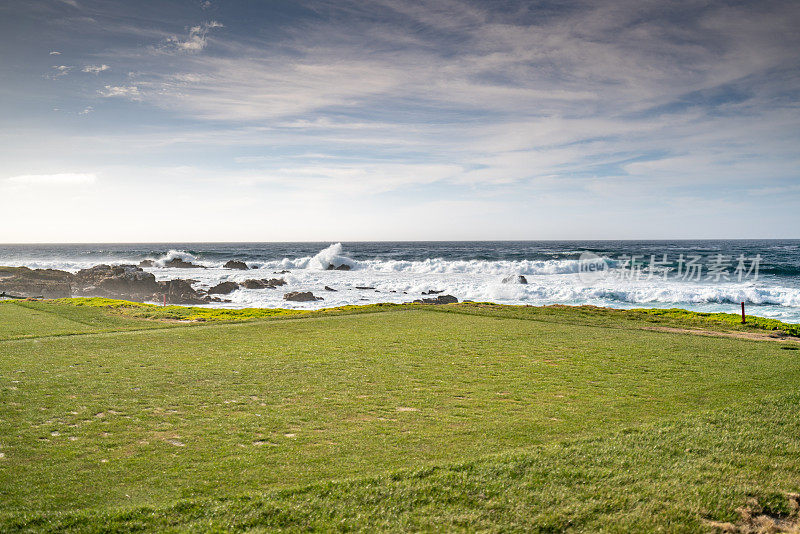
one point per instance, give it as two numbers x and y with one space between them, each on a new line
342 267
440 299
515 279
365 287
147 263
301 296
236 264
281 272
433 292
45 283
179 292
126 282
264 283
178 263
223 288
329 288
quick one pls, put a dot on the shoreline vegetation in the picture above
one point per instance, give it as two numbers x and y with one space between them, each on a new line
127 417
660 317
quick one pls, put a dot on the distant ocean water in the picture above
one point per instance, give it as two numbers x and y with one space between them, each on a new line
696 275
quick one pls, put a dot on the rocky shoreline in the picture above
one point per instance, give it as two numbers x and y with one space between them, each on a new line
133 283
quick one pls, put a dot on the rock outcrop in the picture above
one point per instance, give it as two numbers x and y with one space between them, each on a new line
515 279
223 288
236 264
342 267
440 299
180 292
147 263
301 296
178 263
45 283
127 282
264 283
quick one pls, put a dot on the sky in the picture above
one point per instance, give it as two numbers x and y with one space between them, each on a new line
224 120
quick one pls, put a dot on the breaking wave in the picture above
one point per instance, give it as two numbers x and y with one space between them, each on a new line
382 276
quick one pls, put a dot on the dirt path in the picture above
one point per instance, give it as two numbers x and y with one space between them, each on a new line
757 336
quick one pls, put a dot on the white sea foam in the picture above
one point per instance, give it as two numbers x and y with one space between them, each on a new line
549 282
173 255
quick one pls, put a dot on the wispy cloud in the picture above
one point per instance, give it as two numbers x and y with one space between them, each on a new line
55 53
127 91
619 100
195 41
95 69
60 70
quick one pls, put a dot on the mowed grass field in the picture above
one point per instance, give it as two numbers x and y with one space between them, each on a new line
458 417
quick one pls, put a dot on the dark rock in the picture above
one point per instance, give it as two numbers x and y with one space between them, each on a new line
365 287
264 283
126 282
432 292
223 288
280 272
146 263
515 279
329 288
44 283
179 292
301 296
178 263
236 264
441 299
254 267
342 267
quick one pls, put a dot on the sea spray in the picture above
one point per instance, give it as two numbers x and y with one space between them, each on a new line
401 272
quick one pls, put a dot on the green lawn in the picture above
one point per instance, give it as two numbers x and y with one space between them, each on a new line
397 417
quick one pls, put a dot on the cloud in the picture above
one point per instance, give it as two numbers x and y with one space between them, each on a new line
196 40
455 59
95 69
86 110
53 179
60 70
55 53
584 100
205 5
129 91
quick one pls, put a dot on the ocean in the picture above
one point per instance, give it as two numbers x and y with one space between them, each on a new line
696 275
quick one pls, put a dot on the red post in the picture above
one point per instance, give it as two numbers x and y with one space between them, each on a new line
165 303
743 319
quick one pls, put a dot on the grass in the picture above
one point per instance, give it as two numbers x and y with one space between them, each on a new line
199 314
677 476
387 417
